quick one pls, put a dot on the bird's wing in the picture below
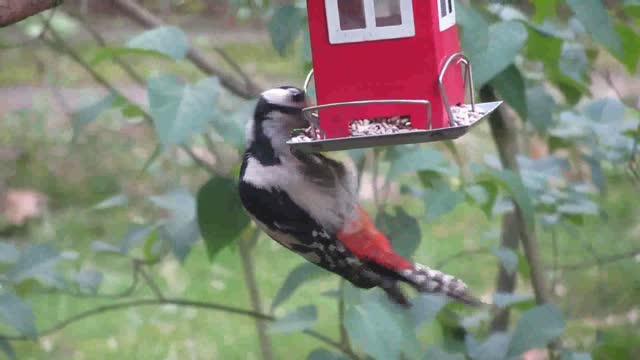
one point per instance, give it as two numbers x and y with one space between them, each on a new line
287 223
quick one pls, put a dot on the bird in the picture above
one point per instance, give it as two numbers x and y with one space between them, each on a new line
308 203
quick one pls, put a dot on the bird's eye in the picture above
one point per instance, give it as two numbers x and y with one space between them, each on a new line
297 95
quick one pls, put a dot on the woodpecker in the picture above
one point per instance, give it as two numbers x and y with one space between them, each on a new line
308 203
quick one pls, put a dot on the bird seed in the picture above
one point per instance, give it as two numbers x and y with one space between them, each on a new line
463 116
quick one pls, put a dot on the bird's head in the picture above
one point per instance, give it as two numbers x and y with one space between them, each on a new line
278 112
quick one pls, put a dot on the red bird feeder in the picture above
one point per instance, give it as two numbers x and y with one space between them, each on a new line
392 67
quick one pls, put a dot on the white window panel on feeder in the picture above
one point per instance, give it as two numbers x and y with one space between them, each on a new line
447 13
352 21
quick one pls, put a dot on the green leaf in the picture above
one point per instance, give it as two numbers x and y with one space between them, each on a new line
524 269
630 40
8 253
220 214
88 114
114 201
410 159
296 278
131 111
111 52
426 307
89 280
402 230
436 353
495 347
506 300
475 34
606 110
485 194
322 354
306 47
167 40
508 258
536 328
616 343
302 318
231 126
544 9
544 46
18 314
380 329
7 349
506 39
36 262
180 111
510 86
181 227
155 248
596 20
510 182
579 207
569 355
285 27
540 108
441 200
136 235
103 247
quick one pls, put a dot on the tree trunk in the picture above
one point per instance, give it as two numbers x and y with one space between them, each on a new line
504 135
506 282
12 11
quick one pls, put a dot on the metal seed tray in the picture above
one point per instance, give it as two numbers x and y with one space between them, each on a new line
411 137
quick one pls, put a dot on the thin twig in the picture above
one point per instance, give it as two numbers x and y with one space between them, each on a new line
374 175
116 59
142 302
555 255
633 157
601 261
128 291
152 284
167 301
236 67
344 336
331 342
58 44
199 161
144 17
461 254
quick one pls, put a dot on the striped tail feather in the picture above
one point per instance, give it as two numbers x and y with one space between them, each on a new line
425 279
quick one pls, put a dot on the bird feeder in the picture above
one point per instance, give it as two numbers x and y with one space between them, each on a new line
392 66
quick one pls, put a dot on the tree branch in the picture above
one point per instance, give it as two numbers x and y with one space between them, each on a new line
502 133
13 11
254 292
177 302
152 284
58 44
461 254
145 18
601 261
137 303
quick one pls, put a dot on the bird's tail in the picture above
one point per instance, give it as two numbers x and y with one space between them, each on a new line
428 280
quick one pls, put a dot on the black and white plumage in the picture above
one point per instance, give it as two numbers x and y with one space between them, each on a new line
309 204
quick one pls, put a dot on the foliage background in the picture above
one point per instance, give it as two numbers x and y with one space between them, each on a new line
120 147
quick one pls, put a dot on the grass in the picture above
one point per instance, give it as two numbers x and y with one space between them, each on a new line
104 162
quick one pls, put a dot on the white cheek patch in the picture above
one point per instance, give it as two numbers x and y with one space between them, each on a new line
277 96
330 207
